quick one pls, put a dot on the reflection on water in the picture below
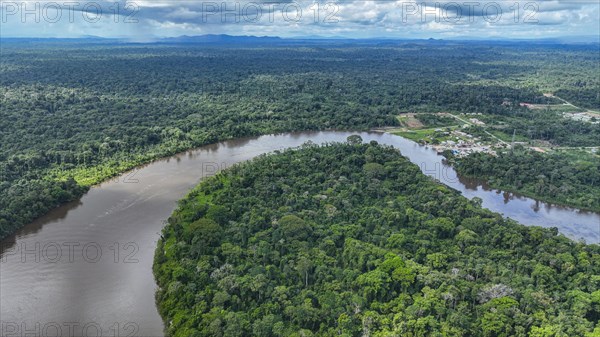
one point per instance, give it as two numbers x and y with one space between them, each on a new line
474 184
122 219
34 227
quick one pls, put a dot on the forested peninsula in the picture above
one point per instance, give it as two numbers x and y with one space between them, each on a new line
352 240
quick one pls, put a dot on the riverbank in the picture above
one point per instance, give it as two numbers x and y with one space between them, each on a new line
564 185
545 199
82 177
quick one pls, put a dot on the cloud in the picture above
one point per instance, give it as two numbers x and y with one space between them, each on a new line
351 18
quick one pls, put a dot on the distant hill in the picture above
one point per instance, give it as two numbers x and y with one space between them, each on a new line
221 38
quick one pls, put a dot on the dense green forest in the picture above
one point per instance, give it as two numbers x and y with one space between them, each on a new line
547 126
572 179
74 114
353 240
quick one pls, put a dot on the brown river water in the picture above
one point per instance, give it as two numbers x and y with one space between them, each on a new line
85 269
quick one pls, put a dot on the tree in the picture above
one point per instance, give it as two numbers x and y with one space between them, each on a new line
354 140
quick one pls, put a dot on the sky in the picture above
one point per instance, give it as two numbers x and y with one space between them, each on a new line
146 20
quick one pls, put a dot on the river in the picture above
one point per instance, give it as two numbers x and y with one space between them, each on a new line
85 269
